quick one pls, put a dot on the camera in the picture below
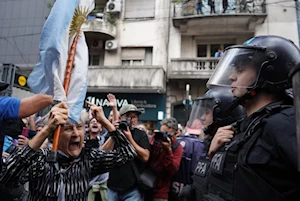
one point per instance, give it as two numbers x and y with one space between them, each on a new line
92 143
162 136
123 124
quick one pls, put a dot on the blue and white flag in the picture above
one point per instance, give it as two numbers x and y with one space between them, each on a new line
56 40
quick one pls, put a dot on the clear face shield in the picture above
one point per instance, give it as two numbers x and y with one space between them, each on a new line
237 68
201 116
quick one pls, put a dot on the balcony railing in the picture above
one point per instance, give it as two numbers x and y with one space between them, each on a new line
188 7
192 68
127 78
101 23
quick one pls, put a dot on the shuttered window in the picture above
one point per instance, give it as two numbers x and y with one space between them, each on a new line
136 56
129 53
139 9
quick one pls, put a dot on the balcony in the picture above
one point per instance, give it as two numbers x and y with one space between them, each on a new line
192 68
241 16
100 26
126 79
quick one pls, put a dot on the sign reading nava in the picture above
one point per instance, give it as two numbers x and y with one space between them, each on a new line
149 103
120 102
104 102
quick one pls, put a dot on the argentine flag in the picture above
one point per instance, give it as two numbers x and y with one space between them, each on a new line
48 75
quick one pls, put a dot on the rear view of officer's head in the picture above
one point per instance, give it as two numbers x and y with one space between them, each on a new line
260 65
210 111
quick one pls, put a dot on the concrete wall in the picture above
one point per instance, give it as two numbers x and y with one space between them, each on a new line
144 33
281 20
20 93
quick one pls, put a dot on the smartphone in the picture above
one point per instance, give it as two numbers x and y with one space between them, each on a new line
25 131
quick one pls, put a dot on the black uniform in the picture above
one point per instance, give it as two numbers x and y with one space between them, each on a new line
201 173
261 161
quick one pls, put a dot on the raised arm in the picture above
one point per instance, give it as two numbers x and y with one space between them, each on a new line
33 104
113 105
58 115
106 160
97 113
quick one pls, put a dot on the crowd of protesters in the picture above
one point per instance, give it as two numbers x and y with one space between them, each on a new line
237 137
91 145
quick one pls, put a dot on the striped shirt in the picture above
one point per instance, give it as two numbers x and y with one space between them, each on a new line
49 182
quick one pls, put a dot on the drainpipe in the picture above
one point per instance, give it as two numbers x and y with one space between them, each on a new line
298 19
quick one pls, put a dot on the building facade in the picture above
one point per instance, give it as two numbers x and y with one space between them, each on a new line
147 51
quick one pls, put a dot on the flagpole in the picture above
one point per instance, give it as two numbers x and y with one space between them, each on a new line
67 79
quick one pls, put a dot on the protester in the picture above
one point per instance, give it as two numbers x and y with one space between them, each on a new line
165 157
96 138
68 178
122 182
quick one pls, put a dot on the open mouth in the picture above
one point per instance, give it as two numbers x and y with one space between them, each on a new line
73 145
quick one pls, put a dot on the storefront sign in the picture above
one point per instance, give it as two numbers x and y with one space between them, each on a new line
153 104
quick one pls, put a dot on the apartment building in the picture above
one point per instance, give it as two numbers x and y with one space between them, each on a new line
147 51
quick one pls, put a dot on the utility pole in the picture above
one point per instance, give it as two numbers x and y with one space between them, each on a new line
187 103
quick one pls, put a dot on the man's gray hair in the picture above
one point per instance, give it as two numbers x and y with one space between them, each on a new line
170 122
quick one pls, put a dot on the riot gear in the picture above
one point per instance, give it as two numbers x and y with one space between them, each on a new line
209 112
261 154
232 176
268 59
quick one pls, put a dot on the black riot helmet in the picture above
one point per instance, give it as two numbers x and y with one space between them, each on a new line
267 60
210 111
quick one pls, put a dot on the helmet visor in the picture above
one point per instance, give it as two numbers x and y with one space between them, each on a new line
201 116
237 68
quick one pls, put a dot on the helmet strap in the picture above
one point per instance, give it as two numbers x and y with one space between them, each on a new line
251 92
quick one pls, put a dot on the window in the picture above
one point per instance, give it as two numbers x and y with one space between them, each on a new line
94 60
136 56
209 50
213 49
201 50
139 9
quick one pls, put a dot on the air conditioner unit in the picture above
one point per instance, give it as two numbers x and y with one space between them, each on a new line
113 6
111 45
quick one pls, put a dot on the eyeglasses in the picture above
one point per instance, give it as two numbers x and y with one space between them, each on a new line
131 116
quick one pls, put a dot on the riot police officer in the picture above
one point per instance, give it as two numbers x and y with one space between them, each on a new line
209 113
258 160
